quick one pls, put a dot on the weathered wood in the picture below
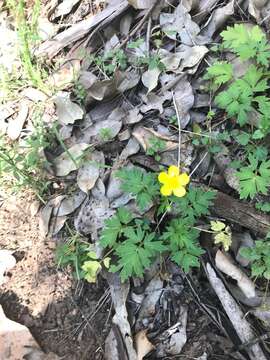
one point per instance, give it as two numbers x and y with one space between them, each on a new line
241 213
51 47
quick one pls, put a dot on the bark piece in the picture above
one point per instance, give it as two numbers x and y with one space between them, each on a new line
241 213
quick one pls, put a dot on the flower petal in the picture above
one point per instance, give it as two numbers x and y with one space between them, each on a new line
166 190
163 177
173 171
180 191
183 179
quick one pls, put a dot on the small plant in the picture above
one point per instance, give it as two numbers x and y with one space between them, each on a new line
79 92
182 240
23 161
259 255
222 234
105 134
109 61
156 146
73 253
136 243
28 37
92 266
244 94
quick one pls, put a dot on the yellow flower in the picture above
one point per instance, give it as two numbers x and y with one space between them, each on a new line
173 182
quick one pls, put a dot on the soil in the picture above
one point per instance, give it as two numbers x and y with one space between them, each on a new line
54 306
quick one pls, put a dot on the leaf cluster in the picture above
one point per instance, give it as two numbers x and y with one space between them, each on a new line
195 203
254 178
134 244
222 234
182 242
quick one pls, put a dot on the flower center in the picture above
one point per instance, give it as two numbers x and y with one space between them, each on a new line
174 183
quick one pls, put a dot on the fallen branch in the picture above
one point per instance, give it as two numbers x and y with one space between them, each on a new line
241 213
51 47
236 316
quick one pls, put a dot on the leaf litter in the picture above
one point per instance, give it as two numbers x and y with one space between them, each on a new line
159 52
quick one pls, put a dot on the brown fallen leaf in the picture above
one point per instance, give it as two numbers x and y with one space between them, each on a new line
143 345
65 75
143 136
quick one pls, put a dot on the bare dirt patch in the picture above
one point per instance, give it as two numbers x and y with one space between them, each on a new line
49 302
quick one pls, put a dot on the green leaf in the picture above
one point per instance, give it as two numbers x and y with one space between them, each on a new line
263 206
110 232
221 72
181 239
91 268
132 261
224 238
246 43
243 138
254 179
144 186
124 215
195 203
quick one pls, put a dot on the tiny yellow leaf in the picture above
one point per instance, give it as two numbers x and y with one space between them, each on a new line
225 239
106 262
217 226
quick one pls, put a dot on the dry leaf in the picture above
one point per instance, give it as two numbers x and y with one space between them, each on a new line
15 126
191 55
45 29
69 204
64 164
225 265
89 171
216 21
150 78
184 100
179 22
66 75
46 213
132 148
154 102
67 111
57 224
34 95
143 345
125 80
133 116
143 136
